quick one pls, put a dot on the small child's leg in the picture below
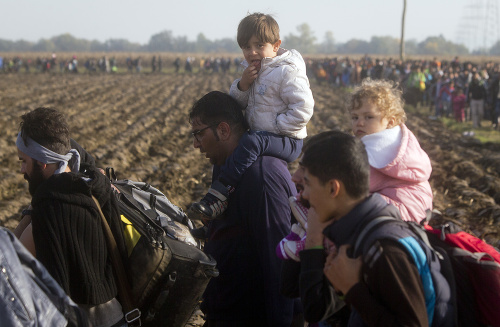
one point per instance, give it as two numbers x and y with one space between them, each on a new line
256 144
250 147
297 234
214 203
293 248
299 211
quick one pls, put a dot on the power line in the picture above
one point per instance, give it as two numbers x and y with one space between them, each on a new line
479 27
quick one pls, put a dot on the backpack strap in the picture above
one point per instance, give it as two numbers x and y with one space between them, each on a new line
368 228
110 174
132 314
372 225
439 266
422 235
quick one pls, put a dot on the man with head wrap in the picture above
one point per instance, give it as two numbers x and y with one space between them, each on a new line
67 232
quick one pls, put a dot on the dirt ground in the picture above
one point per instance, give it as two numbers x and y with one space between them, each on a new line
138 124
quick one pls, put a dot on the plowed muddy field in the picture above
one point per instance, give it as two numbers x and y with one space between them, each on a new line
137 123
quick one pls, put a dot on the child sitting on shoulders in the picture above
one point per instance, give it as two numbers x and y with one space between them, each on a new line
399 168
274 91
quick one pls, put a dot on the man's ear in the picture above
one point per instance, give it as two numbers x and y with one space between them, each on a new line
223 131
41 164
334 185
276 46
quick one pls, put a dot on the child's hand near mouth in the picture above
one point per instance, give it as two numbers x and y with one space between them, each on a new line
249 75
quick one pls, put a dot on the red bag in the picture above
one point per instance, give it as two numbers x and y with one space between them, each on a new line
485 278
476 268
457 238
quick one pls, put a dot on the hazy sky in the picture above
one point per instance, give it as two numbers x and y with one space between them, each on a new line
138 20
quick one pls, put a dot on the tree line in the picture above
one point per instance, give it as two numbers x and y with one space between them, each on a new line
304 41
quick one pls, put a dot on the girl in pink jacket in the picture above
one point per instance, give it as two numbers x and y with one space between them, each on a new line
399 168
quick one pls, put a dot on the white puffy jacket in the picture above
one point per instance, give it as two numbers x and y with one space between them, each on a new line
280 100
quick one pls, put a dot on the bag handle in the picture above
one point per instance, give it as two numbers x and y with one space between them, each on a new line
132 314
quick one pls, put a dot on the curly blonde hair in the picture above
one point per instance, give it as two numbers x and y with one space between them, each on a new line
384 94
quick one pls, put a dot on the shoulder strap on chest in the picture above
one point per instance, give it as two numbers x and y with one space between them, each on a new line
367 230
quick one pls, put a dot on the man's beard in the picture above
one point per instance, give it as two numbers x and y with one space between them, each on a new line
35 179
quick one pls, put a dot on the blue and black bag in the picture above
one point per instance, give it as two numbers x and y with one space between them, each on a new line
468 264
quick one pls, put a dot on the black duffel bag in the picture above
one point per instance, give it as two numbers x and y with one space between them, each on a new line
165 269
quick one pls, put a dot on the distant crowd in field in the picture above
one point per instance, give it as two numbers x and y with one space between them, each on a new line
105 64
53 64
452 88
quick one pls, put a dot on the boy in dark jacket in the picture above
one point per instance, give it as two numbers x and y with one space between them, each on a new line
385 283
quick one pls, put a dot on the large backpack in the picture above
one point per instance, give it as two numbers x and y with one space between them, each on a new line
435 274
476 268
143 198
469 265
166 270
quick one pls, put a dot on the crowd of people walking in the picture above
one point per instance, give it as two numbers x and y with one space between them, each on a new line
112 64
450 88
463 90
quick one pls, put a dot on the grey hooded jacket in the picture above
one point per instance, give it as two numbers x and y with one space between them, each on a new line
29 295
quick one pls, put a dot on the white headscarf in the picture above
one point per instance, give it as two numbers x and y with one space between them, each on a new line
46 156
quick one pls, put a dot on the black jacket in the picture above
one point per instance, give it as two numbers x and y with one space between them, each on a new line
69 237
477 91
391 292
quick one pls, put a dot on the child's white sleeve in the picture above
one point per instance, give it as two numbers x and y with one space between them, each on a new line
240 96
297 95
